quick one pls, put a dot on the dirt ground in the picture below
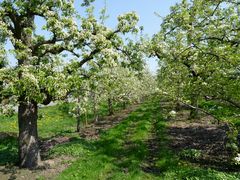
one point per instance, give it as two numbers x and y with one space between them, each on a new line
50 168
93 130
201 134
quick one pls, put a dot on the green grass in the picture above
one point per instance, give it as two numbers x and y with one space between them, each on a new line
8 150
8 124
53 121
121 152
118 153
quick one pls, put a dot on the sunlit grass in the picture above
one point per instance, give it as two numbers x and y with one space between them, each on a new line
52 123
118 154
121 152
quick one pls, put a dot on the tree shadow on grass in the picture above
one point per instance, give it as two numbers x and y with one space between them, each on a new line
74 146
8 155
126 157
8 149
117 154
118 148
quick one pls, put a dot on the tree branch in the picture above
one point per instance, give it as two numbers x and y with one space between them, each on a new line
228 100
202 110
232 42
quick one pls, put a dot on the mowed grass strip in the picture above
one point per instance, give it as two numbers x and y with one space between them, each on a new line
122 151
119 153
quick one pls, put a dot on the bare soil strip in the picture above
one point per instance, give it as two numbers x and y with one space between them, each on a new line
202 135
93 130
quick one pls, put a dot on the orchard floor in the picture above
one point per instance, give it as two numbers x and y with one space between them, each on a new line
138 143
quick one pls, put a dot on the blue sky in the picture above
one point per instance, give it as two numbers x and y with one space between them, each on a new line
145 9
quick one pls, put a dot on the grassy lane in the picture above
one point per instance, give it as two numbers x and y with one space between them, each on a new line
119 153
135 149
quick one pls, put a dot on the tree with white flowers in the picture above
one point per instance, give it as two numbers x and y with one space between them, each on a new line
198 52
39 76
109 80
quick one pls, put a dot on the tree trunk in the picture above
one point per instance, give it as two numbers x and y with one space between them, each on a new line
96 118
124 105
78 115
110 107
95 112
29 154
194 103
78 123
178 106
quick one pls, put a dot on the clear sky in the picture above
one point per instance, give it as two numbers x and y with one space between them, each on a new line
144 8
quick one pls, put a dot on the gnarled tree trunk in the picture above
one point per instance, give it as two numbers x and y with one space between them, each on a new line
29 155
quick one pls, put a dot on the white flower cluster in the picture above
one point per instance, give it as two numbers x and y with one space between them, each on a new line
237 159
127 22
172 113
7 109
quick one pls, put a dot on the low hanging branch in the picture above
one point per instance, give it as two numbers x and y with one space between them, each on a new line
202 110
222 99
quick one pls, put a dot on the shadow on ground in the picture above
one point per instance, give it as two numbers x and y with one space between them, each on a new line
8 148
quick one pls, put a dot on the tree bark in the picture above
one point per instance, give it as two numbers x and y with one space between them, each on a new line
95 114
29 154
178 106
78 123
194 111
110 106
95 111
124 105
78 115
